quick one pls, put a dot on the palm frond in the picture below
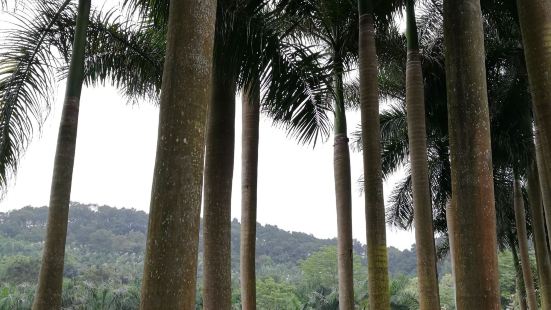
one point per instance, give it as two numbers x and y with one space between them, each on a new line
154 10
442 246
25 81
295 98
394 138
352 95
255 45
400 210
129 56
40 45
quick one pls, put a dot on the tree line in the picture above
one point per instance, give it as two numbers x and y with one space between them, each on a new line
104 261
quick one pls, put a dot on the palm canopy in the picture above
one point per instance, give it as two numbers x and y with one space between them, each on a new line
334 24
509 112
130 56
36 52
256 45
331 24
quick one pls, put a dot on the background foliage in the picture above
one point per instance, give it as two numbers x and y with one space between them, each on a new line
104 263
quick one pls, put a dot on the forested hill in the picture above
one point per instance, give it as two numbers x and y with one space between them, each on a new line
104 263
103 229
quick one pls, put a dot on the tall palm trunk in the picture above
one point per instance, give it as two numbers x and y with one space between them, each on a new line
522 235
219 157
170 265
545 188
540 239
424 234
450 217
519 281
218 188
474 236
249 180
343 194
48 293
535 18
377 257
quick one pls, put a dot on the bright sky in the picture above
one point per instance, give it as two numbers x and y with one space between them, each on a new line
116 153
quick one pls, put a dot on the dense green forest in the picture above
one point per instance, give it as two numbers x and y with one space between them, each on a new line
104 263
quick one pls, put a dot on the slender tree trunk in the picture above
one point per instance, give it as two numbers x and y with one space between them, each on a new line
474 236
540 242
170 265
535 21
377 257
522 235
50 281
219 159
519 282
543 177
422 204
343 195
249 180
450 217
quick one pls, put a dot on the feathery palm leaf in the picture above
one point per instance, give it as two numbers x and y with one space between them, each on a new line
252 40
154 10
39 47
302 110
128 56
25 82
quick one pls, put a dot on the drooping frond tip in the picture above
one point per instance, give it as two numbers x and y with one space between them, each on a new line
26 81
296 94
39 47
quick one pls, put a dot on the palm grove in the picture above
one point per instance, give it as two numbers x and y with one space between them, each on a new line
470 120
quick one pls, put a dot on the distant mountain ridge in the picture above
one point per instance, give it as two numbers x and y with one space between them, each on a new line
111 230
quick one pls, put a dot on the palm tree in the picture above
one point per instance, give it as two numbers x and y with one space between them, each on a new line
378 282
393 124
294 85
248 45
248 48
136 71
249 180
543 256
511 136
48 292
519 281
522 235
475 257
525 16
507 134
544 184
219 159
424 234
170 264
133 61
377 257
277 64
29 58
534 17
332 24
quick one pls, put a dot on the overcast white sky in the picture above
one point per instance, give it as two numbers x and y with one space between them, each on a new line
116 153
